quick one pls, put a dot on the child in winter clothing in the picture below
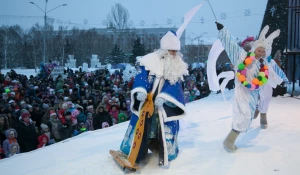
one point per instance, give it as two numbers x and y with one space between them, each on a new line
46 131
43 141
105 125
81 118
114 114
81 129
122 117
14 149
11 136
53 124
66 132
89 122
186 95
61 113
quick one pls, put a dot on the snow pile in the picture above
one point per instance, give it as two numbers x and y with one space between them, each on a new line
275 150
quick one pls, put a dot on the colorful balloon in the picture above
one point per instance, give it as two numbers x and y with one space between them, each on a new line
248 61
241 66
242 78
255 81
244 72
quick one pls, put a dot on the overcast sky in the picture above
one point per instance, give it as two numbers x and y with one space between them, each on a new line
153 13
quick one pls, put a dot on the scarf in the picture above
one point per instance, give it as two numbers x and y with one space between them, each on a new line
12 140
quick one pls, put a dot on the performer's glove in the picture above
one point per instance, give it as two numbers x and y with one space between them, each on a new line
141 96
159 102
219 26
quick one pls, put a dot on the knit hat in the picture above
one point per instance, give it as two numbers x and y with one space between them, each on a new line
170 41
89 114
105 125
52 113
44 127
41 138
248 40
24 115
11 101
122 117
89 107
12 93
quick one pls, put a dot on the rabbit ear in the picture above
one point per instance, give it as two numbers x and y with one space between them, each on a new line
273 35
263 33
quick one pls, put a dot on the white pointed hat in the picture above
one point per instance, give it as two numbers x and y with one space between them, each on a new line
171 40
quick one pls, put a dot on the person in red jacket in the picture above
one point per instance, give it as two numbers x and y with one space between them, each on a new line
43 141
61 114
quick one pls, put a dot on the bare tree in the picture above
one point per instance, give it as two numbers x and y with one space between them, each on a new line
10 43
118 17
33 46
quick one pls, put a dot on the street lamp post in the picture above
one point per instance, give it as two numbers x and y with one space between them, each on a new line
45 24
198 38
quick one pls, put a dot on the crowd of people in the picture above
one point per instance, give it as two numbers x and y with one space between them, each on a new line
36 111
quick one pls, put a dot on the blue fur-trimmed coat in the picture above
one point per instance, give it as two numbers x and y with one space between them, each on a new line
169 115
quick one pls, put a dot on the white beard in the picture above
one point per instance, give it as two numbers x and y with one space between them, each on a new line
174 67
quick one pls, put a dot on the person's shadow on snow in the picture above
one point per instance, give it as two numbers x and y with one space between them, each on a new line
248 141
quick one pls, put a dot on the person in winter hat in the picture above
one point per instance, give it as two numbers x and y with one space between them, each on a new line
66 132
159 80
101 116
266 91
61 113
45 130
81 129
197 93
122 117
105 125
89 122
53 125
253 73
114 114
11 135
43 141
13 150
81 117
27 133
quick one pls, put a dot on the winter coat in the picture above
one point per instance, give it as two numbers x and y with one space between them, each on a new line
114 114
59 85
27 136
81 118
41 143
100 118
54 128
37 117
9 141
89 125
65 132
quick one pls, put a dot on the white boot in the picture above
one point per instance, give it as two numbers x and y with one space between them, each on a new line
263 121
228 143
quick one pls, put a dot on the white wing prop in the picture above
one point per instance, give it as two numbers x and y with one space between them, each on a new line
213 78
187 18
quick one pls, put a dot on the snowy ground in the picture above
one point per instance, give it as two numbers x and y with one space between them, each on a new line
275 150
